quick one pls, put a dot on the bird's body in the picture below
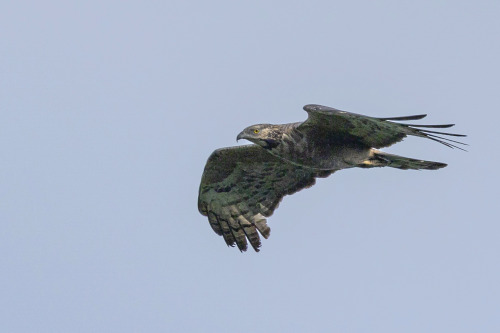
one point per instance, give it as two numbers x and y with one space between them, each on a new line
317 150
243 185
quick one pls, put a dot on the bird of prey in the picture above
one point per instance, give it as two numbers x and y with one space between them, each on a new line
243 185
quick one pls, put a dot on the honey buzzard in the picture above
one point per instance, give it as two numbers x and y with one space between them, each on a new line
241 186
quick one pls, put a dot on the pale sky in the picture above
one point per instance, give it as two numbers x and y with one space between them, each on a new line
110 109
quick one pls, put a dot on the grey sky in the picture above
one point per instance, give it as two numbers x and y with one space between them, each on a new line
109 110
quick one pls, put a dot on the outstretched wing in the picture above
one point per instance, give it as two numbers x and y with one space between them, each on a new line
243 185
370 131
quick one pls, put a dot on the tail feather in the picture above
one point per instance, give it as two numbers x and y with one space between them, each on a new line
381 159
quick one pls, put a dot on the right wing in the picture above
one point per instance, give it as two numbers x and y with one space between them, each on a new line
372 132
243 185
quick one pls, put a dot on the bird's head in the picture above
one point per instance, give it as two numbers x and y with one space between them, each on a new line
265 135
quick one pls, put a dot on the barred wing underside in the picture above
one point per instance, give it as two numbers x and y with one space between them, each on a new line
243 185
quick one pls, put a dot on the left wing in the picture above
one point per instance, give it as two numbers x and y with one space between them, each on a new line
370 131
243 185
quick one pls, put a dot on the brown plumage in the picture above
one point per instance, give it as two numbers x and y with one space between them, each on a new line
243 185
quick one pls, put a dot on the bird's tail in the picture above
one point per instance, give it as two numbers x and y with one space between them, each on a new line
381 159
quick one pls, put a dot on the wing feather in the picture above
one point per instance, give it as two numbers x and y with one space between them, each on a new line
370 131
243 185
415 117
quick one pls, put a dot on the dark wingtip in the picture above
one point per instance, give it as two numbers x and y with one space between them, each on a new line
415 117
430 126
444 133
255 245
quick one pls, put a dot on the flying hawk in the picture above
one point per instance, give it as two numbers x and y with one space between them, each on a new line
243 185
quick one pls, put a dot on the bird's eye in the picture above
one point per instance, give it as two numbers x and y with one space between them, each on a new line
256 131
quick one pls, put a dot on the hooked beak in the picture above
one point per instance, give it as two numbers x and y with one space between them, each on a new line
240 136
